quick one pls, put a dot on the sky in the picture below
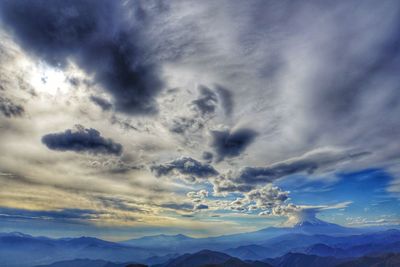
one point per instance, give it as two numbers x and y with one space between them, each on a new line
120 119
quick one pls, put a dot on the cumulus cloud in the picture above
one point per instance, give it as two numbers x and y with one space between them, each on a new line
199 199
299 213
267 196
263 199
231 143
189 168
258 193
95 35
201 194
82 140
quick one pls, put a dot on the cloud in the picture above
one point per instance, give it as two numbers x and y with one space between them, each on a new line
226 97
189 168
257 192
267 196
222 185
115 203
197 194
178 206
10 109
298 213
231 144
101 102
207 156
207 101
82 140
59 215
309 163
201 207
198 198
359 221
181 125
262 198
96 36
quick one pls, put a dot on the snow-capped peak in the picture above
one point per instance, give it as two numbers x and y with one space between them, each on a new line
310 222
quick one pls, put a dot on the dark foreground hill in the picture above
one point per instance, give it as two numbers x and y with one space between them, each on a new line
386 260
208 258
303 260
90 263
350 246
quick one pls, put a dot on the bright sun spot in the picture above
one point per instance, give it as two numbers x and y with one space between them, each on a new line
49 80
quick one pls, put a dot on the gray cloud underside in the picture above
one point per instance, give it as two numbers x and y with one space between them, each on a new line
82 140
190 168
207 101
101 102
10 109
309 163
231 144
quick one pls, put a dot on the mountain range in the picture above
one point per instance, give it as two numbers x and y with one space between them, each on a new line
207 258
182 243
305 242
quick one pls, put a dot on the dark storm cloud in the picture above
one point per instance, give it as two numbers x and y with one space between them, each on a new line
101 102
231 144
207 101
185 166
82 140
92 34
10 109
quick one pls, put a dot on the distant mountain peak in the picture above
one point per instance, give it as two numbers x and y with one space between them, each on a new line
306 218
313 221
305 221
15 234
156 240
